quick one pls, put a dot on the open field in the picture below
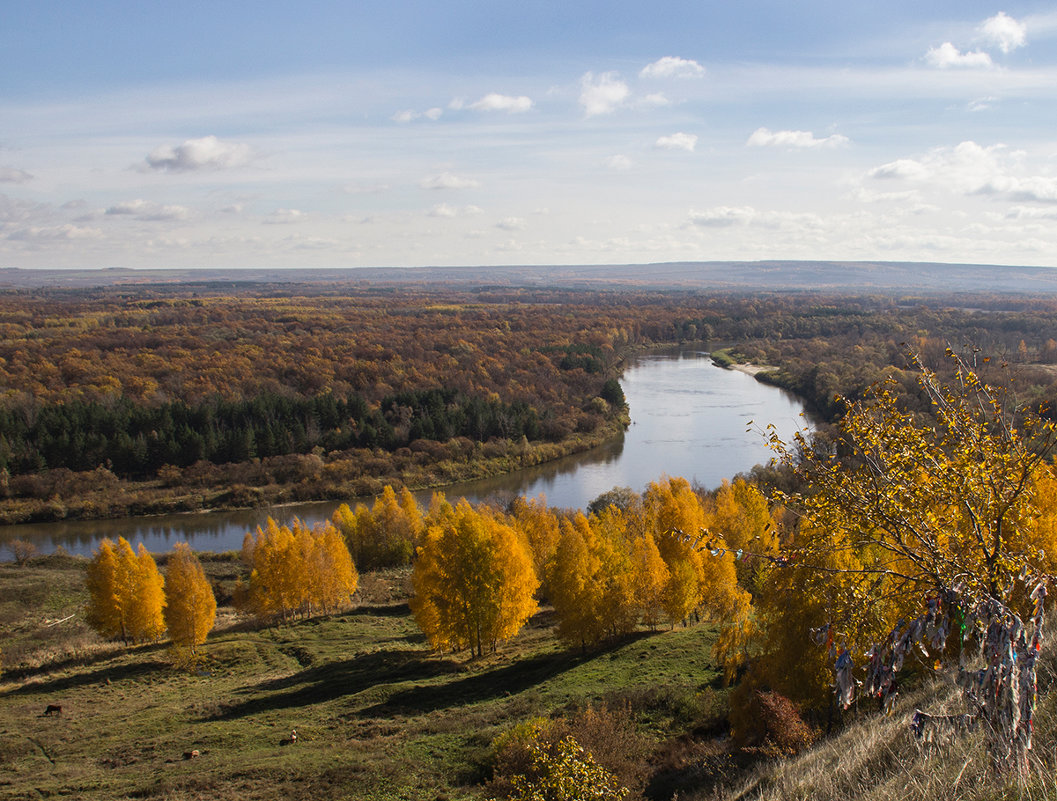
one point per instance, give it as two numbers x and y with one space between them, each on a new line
378 715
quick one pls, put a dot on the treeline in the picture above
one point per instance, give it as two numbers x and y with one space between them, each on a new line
479 573
134 440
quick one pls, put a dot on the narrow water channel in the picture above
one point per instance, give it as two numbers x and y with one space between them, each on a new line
689 418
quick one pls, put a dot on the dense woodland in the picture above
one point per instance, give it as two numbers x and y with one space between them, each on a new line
183 397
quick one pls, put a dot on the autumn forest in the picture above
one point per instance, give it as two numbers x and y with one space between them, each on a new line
665 641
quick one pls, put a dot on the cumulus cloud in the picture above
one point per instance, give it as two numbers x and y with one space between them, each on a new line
947 55
723 216
656 100
602 95
672 67
146 210
762 137
971 169
10 175
497 102
207 153
285 217
444 210
511 224
678 141
907 169
448 181
619 162
410 115
1003 32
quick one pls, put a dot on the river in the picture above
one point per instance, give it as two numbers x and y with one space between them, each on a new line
689 418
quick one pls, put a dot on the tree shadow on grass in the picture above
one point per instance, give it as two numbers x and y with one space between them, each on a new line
327 682
316 685
487 685
114 674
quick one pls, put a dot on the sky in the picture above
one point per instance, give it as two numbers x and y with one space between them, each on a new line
387 134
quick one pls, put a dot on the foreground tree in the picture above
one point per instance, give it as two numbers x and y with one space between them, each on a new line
295 570
945 525
126 593
190 606
473 580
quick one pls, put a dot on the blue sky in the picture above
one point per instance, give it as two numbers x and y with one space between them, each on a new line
327 134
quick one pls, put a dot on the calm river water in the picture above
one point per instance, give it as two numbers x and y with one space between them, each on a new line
689 418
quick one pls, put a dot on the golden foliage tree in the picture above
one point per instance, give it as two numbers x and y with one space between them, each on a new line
575 584
651 577
384 535
539 526
297 569
903 509
190 606
473 580
126 593
697 579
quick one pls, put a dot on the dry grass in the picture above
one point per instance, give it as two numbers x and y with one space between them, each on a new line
878 758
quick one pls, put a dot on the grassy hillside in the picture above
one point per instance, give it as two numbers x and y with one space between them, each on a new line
379 716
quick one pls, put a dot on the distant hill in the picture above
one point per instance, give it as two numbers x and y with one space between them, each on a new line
729 276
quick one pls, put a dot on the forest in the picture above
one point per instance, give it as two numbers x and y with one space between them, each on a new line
161 398
674 642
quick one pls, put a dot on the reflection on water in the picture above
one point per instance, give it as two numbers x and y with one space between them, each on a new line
689 418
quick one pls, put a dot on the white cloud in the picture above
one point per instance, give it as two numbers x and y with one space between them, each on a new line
971 169
146 210
981 103
799 223
656 100
762 137
448 181
285 217
207 153
1031 213
723 216
672 67
444 210
54 233
511 224
619 162
405 116
497 102
603 95
1004 32
947 55
10 175
905 169
433 113
678 141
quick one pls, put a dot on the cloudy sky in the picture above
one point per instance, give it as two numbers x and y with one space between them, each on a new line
476 132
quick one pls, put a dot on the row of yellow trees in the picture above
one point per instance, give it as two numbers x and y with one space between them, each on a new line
131 601
294 570
479 574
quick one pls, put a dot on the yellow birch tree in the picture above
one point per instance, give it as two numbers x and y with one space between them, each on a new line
473 580
190 606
